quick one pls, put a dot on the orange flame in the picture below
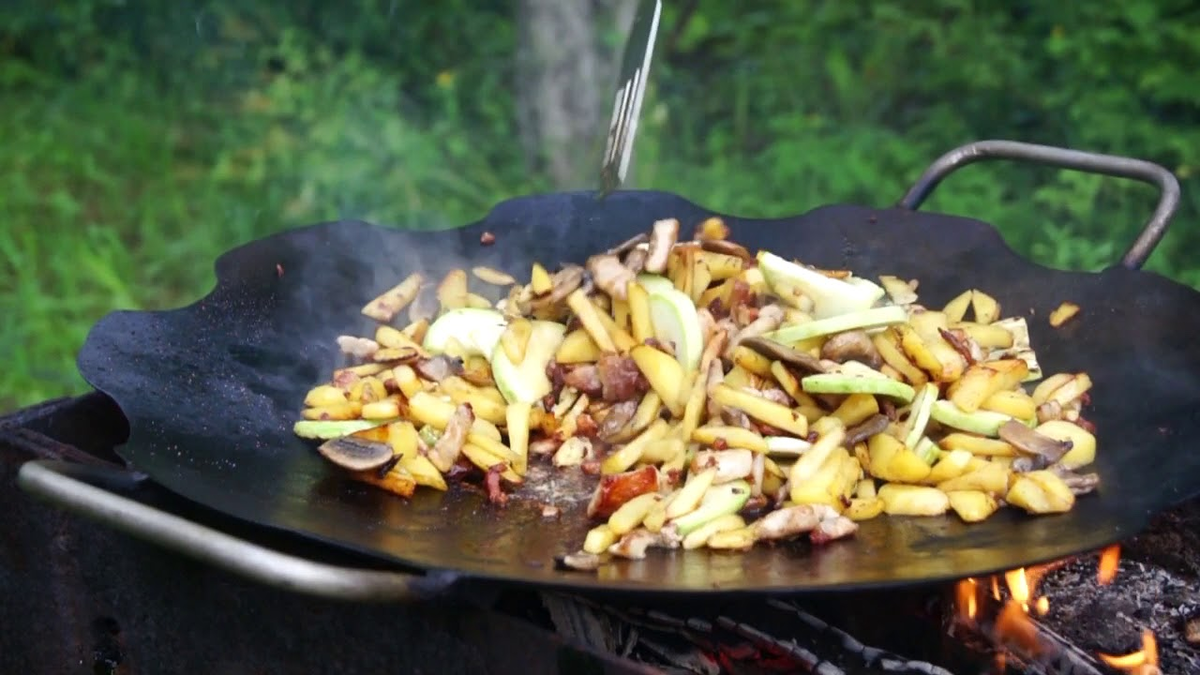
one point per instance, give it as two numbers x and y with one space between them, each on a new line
1110 559
1015 627
1142 662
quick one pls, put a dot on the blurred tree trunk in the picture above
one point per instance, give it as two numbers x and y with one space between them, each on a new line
565 71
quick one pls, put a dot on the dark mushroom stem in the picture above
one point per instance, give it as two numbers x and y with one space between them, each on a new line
875 424
1031 442
781 352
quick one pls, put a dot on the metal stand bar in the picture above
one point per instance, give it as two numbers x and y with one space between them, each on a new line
54 482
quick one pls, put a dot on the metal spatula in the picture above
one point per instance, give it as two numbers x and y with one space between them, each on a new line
631 87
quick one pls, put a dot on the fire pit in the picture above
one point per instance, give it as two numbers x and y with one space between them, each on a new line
92 600
1124 609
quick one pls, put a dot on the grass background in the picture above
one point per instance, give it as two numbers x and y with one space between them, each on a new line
142 139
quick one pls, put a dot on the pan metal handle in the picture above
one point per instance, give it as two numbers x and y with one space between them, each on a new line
58 482
1062 158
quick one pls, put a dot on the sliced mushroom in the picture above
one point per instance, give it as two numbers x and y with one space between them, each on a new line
875 424
629 244
1080 484
438 368
634 544
780 352
356 454
1031 442
445 452
580 561
769 318
663 237
635 261
727 247
610 275
853 345
565 282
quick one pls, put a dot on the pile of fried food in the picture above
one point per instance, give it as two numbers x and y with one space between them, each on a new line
719 398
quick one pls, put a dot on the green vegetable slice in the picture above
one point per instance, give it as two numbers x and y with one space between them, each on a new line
837 383
720 500
330 429
877 317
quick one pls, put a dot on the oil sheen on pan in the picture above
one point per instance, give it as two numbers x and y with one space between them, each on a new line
212 391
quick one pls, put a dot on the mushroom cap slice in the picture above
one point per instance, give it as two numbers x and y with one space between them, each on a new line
781 352
356 454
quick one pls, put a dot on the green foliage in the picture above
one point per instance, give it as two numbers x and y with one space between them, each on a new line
145 138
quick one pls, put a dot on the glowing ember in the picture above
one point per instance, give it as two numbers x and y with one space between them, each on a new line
1142 662
1013 626
1109 560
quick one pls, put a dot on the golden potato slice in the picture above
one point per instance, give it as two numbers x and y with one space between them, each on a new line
664 373
913 500
1042 392
630 515
639 312
977 445
324 395
767 412
385 307
424 472
988 337
984 306
590 317
752 361
631 452
863 508
890 460
380 410
856 408
599 538
741 539
972 506
991 478
950 465
348 410
956 309
887 343
1083 442
1012 402
822 486
540 281
1063 313
729 437
1040 492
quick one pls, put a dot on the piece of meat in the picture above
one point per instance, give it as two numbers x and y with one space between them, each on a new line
617 418
585 377
832 528
613 490
492 481
791 521
445 452
357 347
438 368
662 238
768 319
634 544
620 378
610 275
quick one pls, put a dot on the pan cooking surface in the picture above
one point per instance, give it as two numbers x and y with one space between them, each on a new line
212 391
